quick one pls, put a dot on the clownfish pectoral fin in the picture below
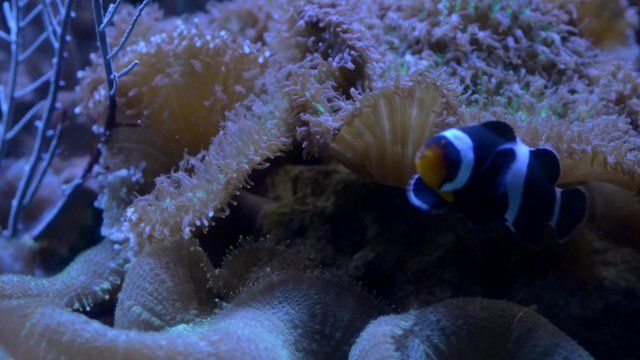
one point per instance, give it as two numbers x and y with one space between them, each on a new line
547 163
500 129
570 211
424 197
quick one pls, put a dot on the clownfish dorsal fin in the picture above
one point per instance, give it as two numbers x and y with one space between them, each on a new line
547 163
570 212
500 129
424 197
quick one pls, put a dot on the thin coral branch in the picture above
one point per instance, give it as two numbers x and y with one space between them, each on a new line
127 34
33 46
46 158
3 104
27 19
51 17
47 19
101 21
38 158
26 119
34 85
111 11
12 17
118 75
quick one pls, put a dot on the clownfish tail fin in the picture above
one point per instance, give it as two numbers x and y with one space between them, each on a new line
570 211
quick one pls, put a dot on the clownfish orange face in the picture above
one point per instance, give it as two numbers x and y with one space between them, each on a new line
432 167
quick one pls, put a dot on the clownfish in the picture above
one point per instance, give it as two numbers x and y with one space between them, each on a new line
487 173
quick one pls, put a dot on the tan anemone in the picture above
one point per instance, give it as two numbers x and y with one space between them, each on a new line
606 23
381 136
188 77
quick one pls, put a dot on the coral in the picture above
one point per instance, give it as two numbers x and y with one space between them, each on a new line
286 317
615 210
165 286
492 329
238 84
89 279
48 194
225 102
290 316
249 20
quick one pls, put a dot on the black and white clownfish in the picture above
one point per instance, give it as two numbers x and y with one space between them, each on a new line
487 173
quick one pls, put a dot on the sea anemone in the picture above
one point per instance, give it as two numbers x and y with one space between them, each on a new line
173 102
380 137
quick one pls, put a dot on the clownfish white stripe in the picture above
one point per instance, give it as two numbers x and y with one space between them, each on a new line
514 179
556 209
464 144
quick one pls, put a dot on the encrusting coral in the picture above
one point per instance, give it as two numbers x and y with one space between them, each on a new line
165 286
90 279
284 316
493 329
